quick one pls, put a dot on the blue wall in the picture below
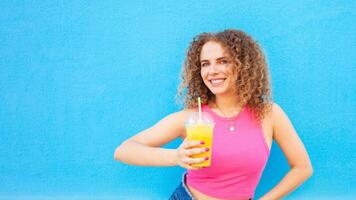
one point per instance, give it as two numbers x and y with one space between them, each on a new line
79 77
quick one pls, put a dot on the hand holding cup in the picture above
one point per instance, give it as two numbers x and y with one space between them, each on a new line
186 151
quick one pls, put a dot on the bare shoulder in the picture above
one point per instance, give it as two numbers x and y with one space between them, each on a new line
282 125
270 120
165 130
180 116
174 122
277 115
276 109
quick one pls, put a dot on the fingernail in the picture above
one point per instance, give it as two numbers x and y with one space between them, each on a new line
202 142
206 149
206 158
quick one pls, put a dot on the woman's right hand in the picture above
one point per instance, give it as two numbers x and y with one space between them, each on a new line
186 150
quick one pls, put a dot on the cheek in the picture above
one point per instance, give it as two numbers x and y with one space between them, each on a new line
203 73
204 76
233 74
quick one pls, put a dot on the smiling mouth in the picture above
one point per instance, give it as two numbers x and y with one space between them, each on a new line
217 82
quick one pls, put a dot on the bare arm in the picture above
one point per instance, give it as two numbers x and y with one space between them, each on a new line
294 150
145 148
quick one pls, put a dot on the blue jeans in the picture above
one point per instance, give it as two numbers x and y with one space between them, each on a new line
182 192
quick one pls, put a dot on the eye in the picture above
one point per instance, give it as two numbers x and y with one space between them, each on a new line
223 62
204 64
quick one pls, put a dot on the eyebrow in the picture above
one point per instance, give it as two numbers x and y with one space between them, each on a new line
220 58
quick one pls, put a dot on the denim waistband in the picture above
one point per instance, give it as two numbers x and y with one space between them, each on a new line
184 185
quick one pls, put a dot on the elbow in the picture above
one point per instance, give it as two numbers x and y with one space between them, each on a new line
118 152
307 170
122 151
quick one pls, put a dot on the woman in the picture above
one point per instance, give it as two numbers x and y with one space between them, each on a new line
229 72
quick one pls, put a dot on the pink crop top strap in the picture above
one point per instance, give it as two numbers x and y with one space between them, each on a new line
238 158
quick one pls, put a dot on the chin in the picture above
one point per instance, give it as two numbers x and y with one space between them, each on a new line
218 91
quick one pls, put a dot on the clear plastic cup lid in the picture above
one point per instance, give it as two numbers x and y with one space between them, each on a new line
194 119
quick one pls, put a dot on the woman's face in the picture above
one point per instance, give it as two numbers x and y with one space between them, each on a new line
217 69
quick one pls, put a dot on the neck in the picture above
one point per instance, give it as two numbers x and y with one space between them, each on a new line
228 105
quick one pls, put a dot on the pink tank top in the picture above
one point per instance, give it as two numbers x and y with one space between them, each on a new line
238 158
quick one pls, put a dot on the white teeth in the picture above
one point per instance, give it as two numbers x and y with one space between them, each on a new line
217 81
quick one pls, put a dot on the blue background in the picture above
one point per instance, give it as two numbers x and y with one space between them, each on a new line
79 77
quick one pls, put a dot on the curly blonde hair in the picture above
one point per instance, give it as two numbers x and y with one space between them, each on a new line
253 79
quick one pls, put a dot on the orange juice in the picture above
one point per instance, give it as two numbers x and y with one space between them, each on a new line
201 132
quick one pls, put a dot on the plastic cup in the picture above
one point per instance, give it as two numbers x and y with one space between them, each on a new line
200 128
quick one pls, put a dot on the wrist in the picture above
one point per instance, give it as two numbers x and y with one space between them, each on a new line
172 157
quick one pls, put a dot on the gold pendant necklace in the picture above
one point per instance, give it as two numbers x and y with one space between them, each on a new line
232 122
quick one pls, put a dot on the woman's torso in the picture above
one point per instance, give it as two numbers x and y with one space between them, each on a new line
267 129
